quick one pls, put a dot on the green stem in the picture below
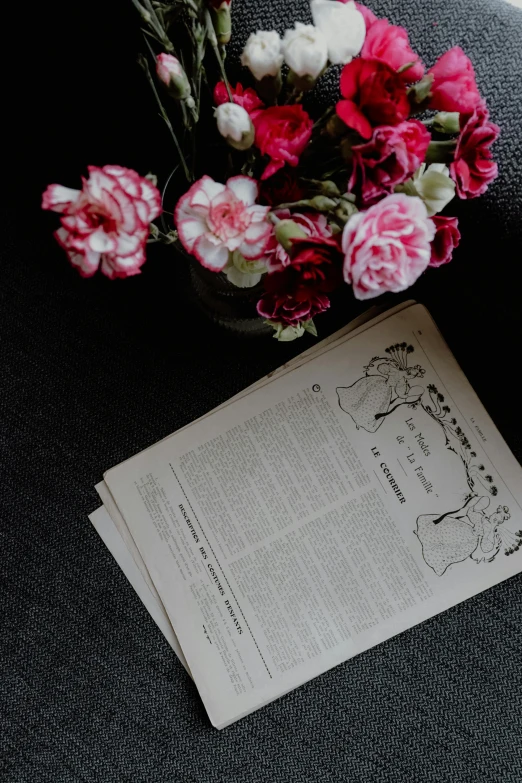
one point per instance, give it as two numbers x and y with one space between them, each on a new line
165 117
441 151
157 26
214 44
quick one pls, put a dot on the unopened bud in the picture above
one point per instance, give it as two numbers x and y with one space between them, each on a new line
286 231
345 210
328 187
420 92
447 122
323 203
171 73
222 21
235 125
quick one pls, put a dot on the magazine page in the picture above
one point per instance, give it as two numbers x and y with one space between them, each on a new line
350 499
366 319
110 536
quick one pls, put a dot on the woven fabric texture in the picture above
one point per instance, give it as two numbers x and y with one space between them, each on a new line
94 371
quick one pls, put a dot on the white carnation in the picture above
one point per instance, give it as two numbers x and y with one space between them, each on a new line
233 121
343 27
262 54
305 50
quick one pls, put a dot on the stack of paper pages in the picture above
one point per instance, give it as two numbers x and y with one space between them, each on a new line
352 494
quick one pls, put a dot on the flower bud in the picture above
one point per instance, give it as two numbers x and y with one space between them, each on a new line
221 20
284 333
171 73
235 125
447 122
345 210
262 54
306 54
434 186
420 92
243 273
322 203
286 231
326 187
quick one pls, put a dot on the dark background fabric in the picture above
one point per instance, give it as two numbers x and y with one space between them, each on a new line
94 371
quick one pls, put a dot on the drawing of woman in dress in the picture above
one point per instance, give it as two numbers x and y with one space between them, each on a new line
386 385
457 535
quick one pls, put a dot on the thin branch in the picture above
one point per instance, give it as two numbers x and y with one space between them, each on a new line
214 44
144 64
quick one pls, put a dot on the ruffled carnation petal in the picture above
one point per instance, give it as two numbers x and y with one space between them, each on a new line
101 242
189 230
58 198
210 255
245 188
204 191
352 116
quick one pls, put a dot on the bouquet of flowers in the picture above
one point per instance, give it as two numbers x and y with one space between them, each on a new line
292 204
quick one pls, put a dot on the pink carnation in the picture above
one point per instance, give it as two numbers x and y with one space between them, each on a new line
245 97
473 167
106 223
213 219
313 224
387 247
391 156
389 44
454 86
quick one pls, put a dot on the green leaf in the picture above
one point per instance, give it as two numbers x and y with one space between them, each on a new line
310 327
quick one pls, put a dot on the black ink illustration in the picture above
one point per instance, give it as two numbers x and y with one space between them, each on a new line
469 532
388 383
452 537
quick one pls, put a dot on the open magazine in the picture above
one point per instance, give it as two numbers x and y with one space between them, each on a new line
358 491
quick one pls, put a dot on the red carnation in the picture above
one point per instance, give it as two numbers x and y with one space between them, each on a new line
473 168
288 300
282 188
373 95
391 156
318 260
299 291
282 133
446 239
247 98
389 44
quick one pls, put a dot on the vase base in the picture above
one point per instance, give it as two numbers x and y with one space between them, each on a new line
226 305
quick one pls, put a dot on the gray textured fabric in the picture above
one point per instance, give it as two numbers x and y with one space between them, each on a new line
93 371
